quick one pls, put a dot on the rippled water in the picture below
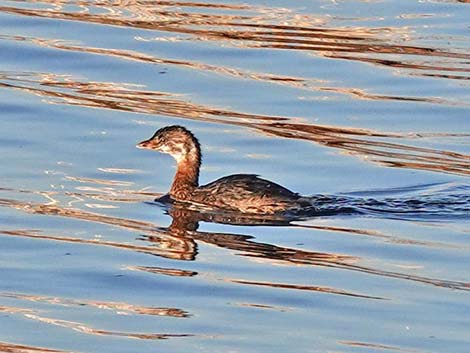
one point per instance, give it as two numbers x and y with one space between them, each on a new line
364 105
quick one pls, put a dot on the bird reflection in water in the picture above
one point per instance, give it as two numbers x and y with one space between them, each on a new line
179 240
185 235
183 232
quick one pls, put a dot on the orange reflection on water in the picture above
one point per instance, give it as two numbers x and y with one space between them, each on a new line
368 144
164 271
20 348
297 82
119 308
82 328
379 346
263 306
303 287
257 27
14 310
179 241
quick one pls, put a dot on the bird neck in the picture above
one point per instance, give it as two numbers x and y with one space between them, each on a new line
186 177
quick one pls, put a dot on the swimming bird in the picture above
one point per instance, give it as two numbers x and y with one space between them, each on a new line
245 193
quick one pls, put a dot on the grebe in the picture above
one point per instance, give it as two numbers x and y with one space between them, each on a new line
245 193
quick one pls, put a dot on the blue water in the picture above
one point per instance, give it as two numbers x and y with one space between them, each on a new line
361 105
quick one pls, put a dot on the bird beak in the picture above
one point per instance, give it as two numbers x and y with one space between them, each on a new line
143 144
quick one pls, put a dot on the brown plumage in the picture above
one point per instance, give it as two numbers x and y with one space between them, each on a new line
246 193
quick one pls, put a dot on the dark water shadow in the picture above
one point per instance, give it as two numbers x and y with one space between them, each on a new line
423 203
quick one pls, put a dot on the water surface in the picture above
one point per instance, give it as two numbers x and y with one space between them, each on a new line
363 105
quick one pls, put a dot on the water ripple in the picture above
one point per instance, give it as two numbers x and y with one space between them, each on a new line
179 241
260 31
364 143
